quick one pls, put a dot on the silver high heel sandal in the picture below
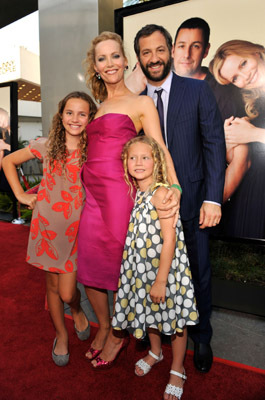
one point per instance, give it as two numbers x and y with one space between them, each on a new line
144 366
176 390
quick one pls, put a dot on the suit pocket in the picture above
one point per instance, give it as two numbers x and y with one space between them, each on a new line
196 176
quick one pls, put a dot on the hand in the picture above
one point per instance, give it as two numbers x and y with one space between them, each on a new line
239 131
171 203
27 199
210 215
158 292
4 145
136 81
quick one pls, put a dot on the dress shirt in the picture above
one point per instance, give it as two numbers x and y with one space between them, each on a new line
165 97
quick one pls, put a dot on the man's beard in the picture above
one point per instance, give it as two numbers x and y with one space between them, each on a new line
162 76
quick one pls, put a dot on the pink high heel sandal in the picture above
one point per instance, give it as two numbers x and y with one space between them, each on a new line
93 352
102 364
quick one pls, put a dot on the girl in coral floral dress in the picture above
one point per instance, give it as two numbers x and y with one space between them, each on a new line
57 206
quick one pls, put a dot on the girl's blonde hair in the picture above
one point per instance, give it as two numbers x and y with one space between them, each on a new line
160 168
93 81
56 146
241 48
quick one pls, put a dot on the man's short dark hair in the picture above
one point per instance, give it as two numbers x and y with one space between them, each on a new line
196 23
147 30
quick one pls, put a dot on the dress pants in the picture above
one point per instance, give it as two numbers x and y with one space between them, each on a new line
197 242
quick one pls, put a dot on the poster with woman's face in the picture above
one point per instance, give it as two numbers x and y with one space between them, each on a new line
7 119
236 58
5 142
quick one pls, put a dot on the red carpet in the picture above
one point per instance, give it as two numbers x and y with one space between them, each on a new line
27 371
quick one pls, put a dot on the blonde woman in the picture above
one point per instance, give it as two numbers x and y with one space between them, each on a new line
242 63
104 220
4 134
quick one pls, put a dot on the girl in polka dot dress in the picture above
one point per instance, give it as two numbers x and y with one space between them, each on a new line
155 292
56 208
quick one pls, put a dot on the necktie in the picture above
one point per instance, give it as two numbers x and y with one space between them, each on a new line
160 110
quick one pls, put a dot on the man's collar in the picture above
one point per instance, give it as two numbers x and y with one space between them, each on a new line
165 85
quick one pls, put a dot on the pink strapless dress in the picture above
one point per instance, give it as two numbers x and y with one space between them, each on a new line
106 213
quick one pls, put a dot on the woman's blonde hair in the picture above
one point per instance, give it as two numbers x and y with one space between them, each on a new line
56 146
93 80
160 168
241 48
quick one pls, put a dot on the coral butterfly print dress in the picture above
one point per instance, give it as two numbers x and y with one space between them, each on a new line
53 233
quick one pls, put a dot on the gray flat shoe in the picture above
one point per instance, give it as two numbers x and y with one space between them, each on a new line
60 360
83 335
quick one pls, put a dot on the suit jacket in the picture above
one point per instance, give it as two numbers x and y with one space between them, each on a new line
196 143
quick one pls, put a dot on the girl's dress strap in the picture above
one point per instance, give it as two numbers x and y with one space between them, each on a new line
158 185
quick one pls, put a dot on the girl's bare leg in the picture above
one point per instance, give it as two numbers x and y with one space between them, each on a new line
178 343
98 299
71 295
155 341
56 308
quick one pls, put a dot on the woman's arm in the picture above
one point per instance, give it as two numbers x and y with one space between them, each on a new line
4 145
236 169
10 163
241 131
151 126
158 290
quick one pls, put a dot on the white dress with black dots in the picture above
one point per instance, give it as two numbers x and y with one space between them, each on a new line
134 307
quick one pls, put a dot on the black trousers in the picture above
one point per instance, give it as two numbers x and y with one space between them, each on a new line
197 242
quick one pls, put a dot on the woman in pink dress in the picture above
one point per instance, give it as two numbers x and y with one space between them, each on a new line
104 220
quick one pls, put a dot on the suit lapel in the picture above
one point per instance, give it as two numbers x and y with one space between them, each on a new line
175 99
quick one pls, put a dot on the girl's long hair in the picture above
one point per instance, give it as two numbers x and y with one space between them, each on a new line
56 145
241 48
160 168
93 81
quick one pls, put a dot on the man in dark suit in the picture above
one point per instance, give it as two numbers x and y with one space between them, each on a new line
193 132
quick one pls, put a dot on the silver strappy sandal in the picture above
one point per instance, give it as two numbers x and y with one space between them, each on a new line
175 390
145 367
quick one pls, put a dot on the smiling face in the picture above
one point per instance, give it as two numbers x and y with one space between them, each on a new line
155 58
110 61
141 164
75 118
188 52
244 72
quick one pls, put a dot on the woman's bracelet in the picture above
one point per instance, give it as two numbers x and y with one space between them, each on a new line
177 187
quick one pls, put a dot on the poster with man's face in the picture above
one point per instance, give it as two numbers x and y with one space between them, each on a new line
238 83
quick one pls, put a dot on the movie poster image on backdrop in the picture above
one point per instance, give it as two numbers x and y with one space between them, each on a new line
237 60
8 125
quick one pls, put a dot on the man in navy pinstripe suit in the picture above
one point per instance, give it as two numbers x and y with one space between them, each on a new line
194 135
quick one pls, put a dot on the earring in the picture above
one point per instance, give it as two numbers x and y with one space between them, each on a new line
125 69
98 76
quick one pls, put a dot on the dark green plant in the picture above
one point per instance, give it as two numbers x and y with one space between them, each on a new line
239 262
6 202
22 143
